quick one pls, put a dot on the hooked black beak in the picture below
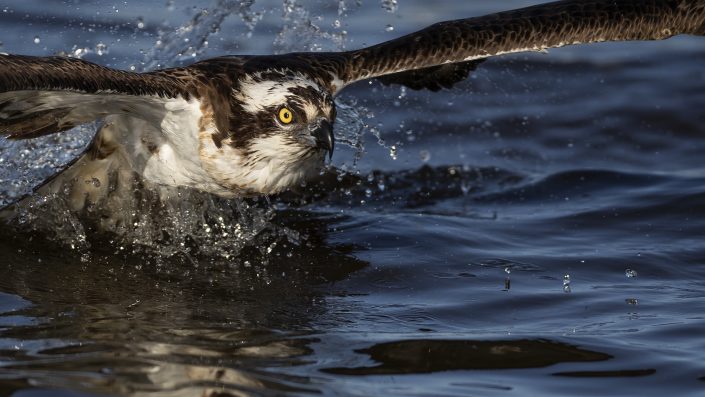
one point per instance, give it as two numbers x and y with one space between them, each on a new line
324 137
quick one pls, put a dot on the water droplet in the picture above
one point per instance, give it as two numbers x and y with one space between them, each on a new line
566 283
507 279
425 155
336 24
390 5
465 187
389 28
132 67
630 273
402 94
393 152
632 301
37 40
140 23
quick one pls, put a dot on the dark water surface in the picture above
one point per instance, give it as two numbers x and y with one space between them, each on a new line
540 231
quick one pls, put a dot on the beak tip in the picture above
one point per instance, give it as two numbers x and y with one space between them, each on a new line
325 137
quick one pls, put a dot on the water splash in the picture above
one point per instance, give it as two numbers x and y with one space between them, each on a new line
180 221
189 41
302 31
25 164
351 125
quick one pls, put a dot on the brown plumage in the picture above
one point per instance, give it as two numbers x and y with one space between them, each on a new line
533 28
212 125
432 58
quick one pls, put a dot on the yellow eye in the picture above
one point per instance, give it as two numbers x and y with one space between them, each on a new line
285 115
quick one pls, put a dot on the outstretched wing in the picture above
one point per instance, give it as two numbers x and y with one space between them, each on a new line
445 50
42 95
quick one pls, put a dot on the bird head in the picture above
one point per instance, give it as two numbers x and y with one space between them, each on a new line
279 133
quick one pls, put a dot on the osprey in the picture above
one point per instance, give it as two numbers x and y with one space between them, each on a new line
256 125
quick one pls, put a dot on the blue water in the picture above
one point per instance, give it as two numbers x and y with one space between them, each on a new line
538 230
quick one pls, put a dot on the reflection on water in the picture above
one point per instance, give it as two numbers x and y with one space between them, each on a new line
122 324
424 356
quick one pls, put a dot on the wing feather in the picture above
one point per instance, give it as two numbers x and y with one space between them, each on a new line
529 29
43 95
433 78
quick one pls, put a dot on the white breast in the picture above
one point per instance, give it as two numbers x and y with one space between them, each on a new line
163 144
